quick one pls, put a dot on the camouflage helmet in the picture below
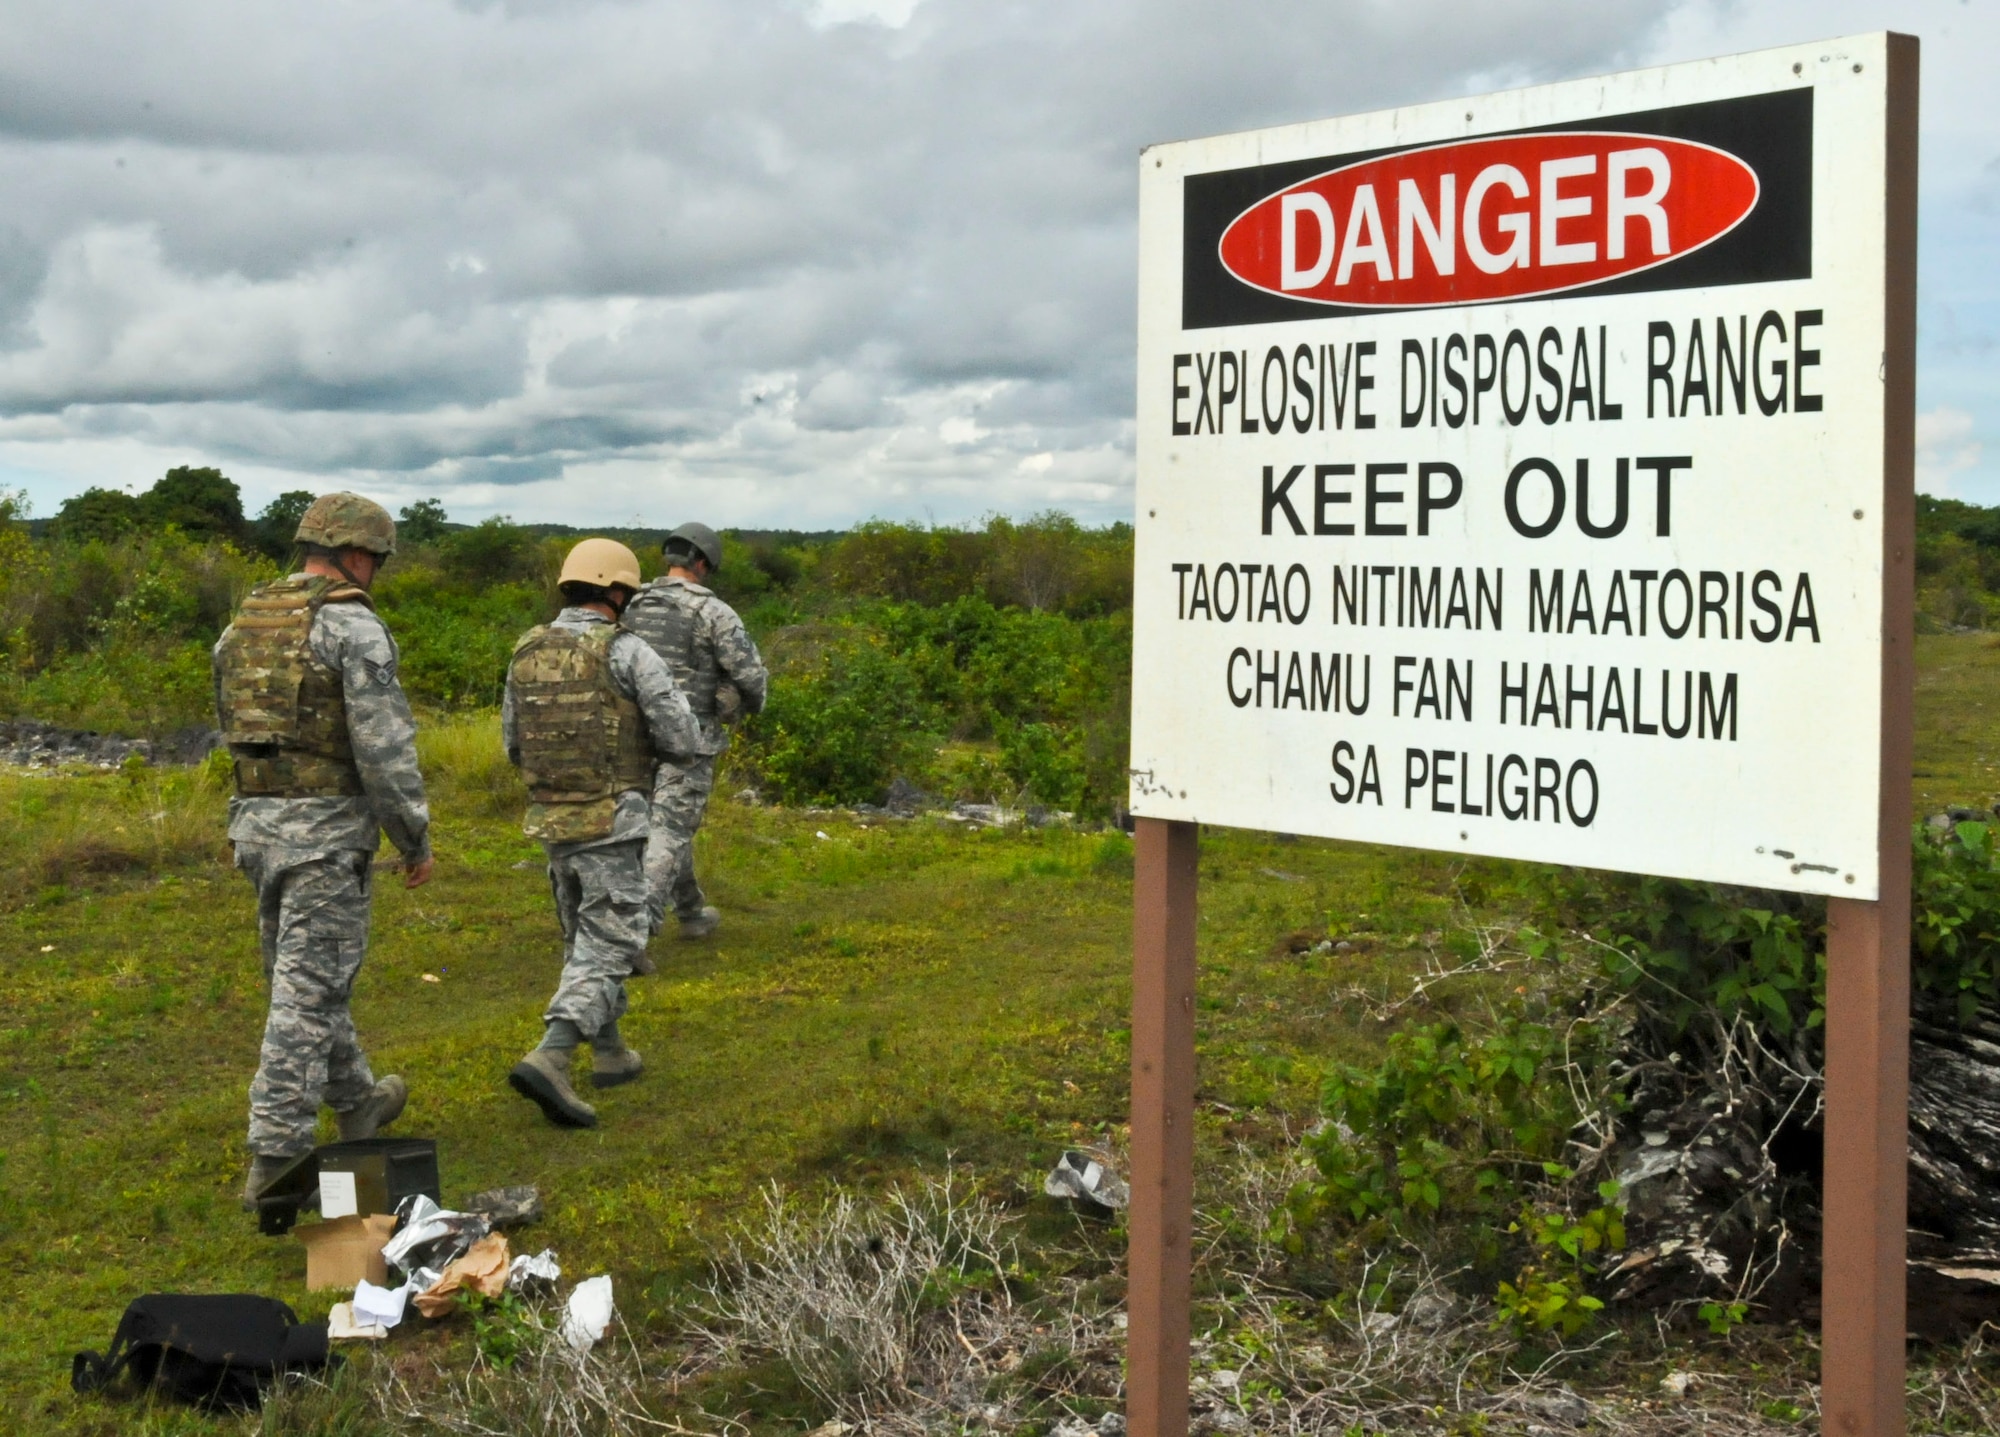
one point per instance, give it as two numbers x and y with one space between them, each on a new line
348 521
602 563
700 538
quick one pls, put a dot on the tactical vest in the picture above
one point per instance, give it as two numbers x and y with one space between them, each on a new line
284 713
667 617
582 743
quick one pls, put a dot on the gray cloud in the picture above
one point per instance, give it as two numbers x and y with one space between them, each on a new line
572 258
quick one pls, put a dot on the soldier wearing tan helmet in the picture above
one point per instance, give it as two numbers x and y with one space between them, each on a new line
325 760
589 711
723 676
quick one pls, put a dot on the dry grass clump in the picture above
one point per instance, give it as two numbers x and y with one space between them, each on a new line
900 1315
528 1379
64 830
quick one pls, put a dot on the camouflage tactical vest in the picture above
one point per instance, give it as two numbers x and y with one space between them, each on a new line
284 713
582 743
667 617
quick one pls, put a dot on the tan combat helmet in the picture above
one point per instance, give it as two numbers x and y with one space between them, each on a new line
602 562
348 521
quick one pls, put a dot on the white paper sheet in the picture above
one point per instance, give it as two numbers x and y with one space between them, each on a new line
380 1305
336 1195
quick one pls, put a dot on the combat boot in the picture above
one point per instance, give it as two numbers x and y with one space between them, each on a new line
543 1078
701 924
611 1066
374 1112
263 1171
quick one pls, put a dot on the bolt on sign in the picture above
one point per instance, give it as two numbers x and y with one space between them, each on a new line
1510 473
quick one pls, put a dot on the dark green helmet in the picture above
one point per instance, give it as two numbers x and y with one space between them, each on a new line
348 521
692 539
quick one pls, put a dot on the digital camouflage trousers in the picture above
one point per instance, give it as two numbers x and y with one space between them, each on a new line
601 905
680 800
312 917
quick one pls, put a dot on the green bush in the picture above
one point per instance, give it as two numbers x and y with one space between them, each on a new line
1955 918
455 640
124 687
1447 1126
838 727
491 552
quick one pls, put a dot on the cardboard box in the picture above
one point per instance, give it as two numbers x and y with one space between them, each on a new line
341 1252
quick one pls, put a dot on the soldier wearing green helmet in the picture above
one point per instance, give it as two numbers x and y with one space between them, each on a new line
717 666
324 754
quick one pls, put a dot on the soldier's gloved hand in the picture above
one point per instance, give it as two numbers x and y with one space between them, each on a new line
416 875
728 703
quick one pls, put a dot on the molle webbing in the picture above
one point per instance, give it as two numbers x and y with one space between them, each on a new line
284 713
582 743
667 618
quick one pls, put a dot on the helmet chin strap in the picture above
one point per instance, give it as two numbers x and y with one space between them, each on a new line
333 558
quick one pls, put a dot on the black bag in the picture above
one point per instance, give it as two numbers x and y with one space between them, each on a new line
214 1351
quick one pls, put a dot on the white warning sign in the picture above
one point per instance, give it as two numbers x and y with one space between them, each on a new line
1510 473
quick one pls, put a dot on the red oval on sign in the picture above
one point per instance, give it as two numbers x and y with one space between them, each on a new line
1508 217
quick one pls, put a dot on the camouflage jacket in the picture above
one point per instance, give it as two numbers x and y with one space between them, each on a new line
637 673
350 640
704 643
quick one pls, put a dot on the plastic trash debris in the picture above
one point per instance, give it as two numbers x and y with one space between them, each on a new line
1088 1178
381 1306
430 1236
483 1269
343 1326
525 1271
588 1313
507 1207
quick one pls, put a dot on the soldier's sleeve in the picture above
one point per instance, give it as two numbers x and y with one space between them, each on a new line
738 658
643 677
215 678
508 740
382 731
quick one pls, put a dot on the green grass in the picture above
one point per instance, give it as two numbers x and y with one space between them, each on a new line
880 997
1958 722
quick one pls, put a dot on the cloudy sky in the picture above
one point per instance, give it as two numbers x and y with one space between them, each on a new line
768 262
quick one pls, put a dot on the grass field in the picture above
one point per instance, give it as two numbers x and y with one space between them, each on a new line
883 994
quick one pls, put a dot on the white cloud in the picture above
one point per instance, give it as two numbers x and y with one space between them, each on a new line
893 13
1946 447
760 259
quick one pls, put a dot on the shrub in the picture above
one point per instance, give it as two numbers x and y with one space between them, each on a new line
127 686
455 643
835 730
1446 1127
493 551
1955 918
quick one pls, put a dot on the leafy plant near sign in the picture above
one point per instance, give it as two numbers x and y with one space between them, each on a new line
1685 1005
1955 921
1446 1126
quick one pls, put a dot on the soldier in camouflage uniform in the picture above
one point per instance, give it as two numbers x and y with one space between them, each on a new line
588 712
720 671
325 761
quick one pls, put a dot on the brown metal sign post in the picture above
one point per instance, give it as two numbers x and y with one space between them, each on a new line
1868 944
1162 1211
